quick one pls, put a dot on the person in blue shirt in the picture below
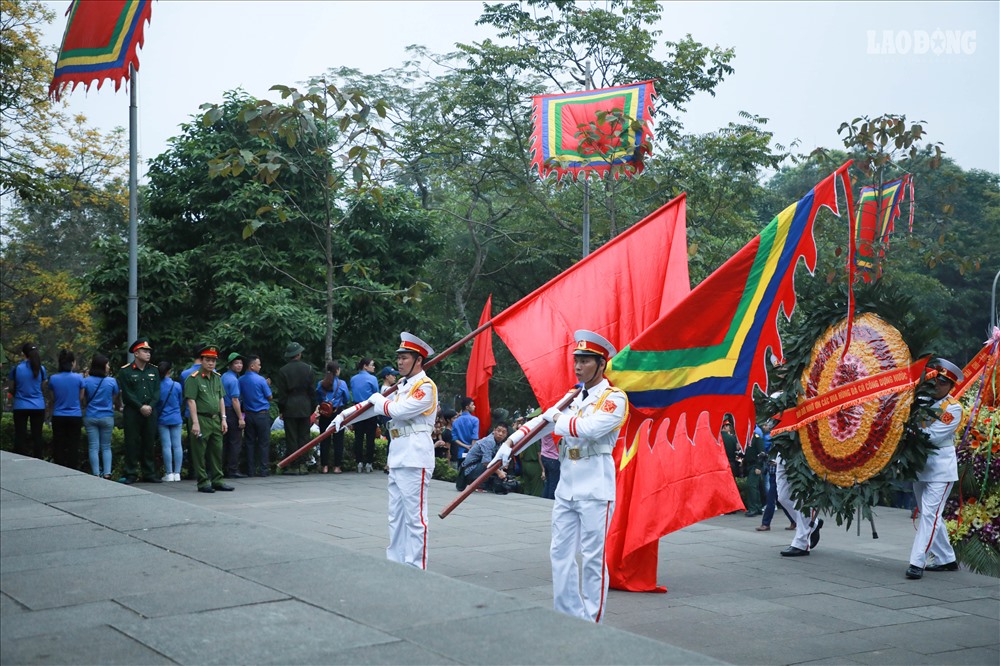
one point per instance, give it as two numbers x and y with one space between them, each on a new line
332 396
168 421
100 392
66 388
465 431
25 382
234 418
256 403
363 386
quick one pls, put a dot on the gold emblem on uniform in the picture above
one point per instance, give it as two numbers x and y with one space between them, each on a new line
574 454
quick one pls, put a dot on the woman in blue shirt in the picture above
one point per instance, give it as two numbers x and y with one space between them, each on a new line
168 411
363 385
100 391
25 382
331 390
66 388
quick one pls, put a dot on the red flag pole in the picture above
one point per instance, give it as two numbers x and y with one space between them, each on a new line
364 406
521 445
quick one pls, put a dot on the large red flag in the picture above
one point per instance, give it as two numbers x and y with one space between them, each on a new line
100 43
481 364
698 362
618 291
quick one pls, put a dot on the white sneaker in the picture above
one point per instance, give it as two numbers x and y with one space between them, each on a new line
177 477
368 467
167 477
361 467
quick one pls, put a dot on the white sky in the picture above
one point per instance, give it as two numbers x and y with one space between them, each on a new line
807 66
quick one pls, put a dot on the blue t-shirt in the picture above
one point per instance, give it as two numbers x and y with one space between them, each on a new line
337 396
363 385
230 387
255 392
466 430
28 388
100 393
168 409
65 387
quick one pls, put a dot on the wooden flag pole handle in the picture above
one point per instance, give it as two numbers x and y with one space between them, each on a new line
362 407
493 467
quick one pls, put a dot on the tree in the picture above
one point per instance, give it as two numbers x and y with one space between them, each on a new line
325 139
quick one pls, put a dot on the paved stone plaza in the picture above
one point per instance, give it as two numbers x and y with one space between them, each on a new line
293 570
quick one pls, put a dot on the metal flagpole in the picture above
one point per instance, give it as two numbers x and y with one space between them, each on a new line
586 179
133 215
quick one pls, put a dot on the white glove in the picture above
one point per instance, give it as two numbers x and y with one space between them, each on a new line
503 455
377 400
550 414
337 423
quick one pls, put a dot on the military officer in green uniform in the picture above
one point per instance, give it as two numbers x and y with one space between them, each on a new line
139 383
204 396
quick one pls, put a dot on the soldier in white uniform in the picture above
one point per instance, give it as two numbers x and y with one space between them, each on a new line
935 480
412 408
807 527
585 496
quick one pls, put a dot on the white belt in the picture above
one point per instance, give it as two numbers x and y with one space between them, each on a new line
403 431
585 450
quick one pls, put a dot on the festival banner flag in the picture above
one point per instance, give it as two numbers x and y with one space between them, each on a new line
481 364
987 356
695 364
876 217
617 291
557 120
100 42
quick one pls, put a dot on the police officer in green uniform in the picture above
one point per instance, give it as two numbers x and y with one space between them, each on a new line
139 383
204 396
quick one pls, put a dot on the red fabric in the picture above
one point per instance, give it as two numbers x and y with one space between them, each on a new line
481 364
672 486
617 292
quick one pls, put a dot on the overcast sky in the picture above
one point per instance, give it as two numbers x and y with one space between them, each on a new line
806 66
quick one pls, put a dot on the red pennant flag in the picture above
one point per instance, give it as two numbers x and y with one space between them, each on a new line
618 291
481 364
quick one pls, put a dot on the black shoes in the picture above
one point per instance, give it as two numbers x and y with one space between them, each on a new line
751 514
206 489
152 479
128 480
223 487
237 475
814 537
914 573
792 551
950 566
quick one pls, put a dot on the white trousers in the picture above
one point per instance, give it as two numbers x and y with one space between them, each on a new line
408 516
802 527
580 528
932 535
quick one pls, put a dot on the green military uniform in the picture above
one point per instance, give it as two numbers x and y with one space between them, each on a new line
139 387
294 389
205 388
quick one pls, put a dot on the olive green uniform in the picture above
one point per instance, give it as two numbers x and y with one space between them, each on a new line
138 388
206 450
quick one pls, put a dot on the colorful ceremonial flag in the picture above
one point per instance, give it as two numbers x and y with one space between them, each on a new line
874 222
617 291
557 147
481 364
100 42
695 364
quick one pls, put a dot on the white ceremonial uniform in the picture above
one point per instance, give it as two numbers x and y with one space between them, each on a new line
934 483
585 499
805 523
412 409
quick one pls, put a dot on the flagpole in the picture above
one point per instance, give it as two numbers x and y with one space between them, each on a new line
133 213
588 75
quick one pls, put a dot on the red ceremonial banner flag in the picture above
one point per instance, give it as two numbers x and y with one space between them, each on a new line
100 42
618 291
481 364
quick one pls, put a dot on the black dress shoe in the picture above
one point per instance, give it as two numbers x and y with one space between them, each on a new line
814 537
152 479
792 551
129 480
240 475
206 489
914 573
223 487
950 566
